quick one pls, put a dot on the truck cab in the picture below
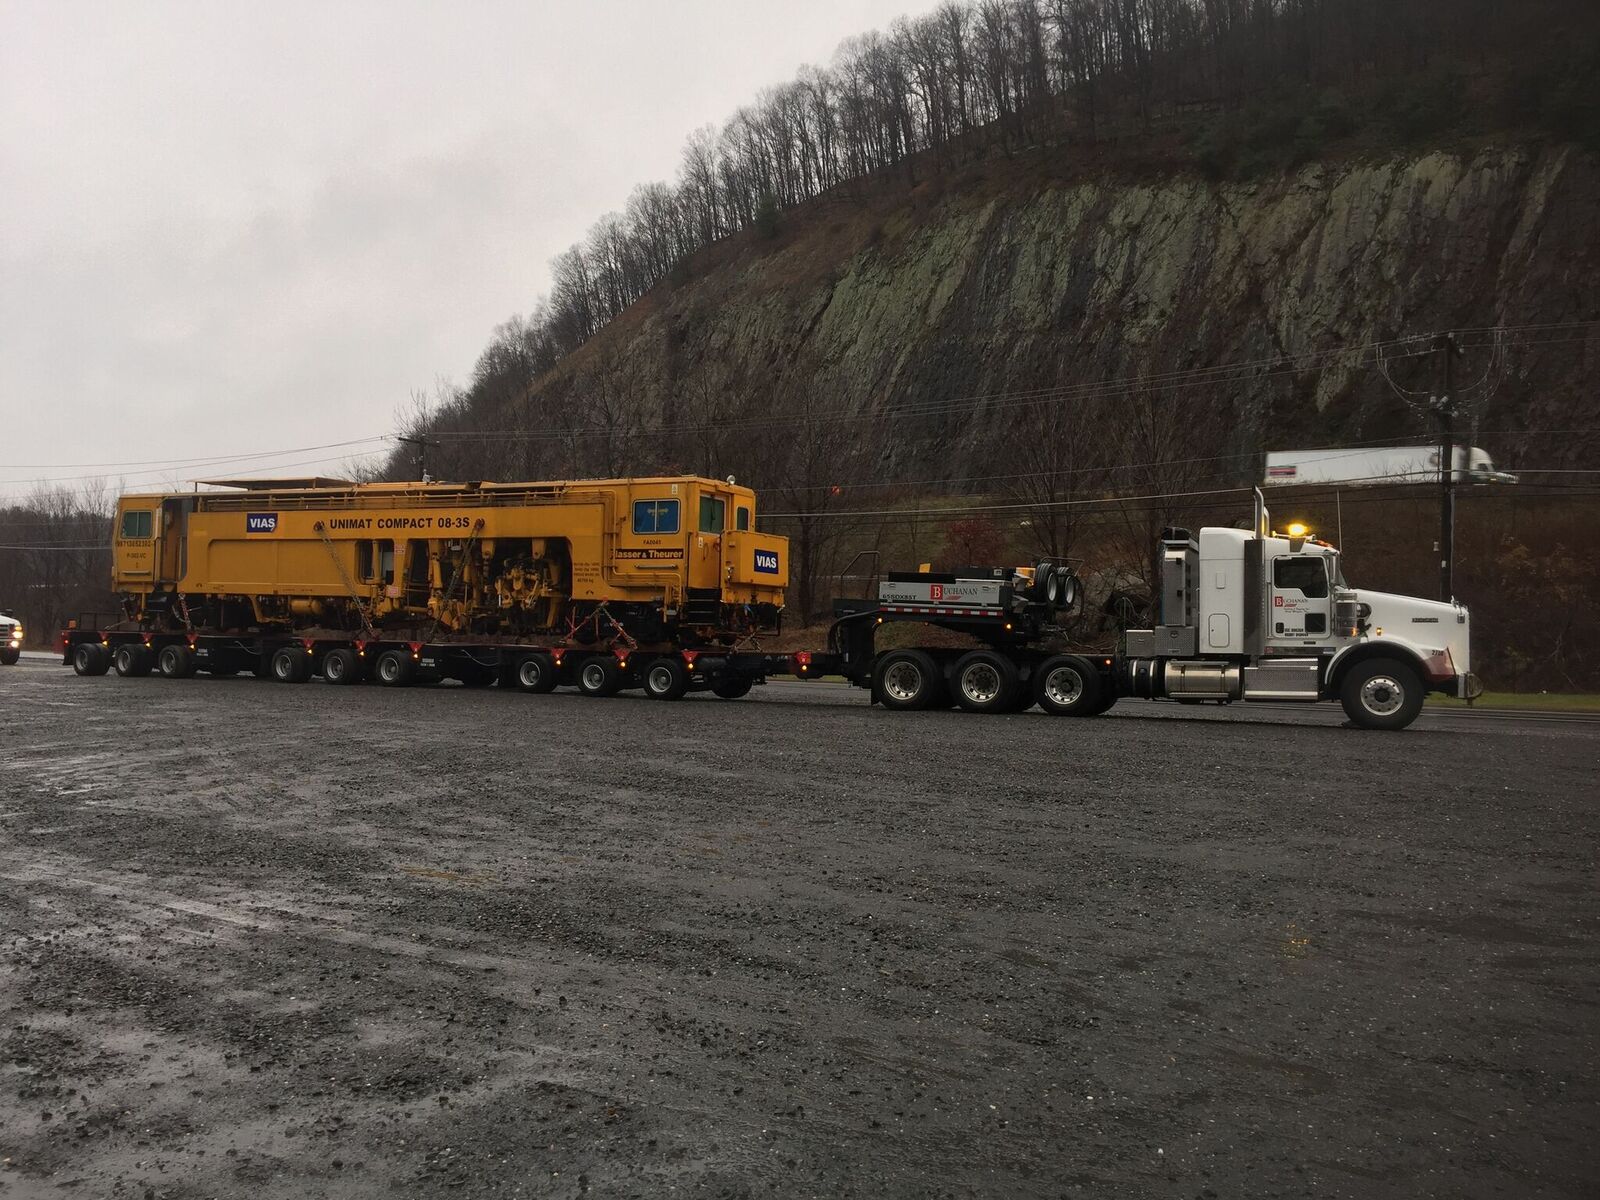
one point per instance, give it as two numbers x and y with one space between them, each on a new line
1265 615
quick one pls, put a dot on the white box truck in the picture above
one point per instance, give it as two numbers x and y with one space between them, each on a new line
1374 465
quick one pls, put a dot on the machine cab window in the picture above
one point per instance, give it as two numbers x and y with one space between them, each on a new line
741 519
712 514
655 516
1308 575
136 524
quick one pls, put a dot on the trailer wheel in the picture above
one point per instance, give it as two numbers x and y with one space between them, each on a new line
175 661
131 660
291 665
1067 685
395 668
536 673
908 681
733 688
600 676
341 667
666 679
91 658
1382 693
986 682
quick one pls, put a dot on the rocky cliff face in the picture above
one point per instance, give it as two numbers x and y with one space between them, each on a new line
950 299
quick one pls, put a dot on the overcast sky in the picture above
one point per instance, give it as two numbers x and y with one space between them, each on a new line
228 229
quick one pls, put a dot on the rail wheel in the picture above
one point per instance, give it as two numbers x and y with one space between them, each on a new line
1381 694
341 667
132 660
986 682
1067 685
908 680
91 658
394 668
290 665
600 676
175 661
536 673
666 679
732 689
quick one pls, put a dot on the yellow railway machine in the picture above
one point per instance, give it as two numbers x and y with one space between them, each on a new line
673 559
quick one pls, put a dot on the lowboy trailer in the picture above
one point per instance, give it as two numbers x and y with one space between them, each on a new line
1243 615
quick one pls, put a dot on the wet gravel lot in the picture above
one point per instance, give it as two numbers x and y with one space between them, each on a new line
286 941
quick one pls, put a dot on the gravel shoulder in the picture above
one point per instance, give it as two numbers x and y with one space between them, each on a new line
314 941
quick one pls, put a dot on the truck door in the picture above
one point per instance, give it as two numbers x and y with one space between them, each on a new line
1301 598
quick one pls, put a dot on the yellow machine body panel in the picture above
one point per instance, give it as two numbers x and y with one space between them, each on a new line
523 556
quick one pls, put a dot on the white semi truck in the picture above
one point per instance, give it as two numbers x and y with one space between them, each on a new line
1241 614
1378 465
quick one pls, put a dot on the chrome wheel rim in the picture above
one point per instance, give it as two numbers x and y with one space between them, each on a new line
1063 685
529 673
980 683
594 677
1382 695
660 679
333 668
389 668
903 680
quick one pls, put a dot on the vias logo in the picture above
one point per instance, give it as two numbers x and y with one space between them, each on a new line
767 562
261 522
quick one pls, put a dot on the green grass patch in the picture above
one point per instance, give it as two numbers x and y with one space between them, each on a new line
1550 701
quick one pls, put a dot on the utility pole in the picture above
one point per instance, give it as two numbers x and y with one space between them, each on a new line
1446 406
422 444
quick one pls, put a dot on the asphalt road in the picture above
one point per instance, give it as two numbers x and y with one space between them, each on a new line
313 941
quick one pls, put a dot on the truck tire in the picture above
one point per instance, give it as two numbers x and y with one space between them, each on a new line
985 682
132 660
290 665
394 668
908 681
537 673
175 661
600 676
666 679
734 688
1067 685
90 658
10 656
1381 693
342 667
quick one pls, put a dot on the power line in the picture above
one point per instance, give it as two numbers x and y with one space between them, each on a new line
203 460
22 487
